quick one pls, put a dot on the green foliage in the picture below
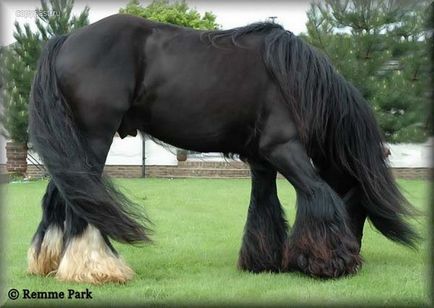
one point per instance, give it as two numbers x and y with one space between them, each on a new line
19 60
382 48
177 13
18 64
56 24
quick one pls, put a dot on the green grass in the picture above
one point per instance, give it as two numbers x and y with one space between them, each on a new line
198 228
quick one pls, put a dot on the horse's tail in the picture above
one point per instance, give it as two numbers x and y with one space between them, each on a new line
69 160
337 126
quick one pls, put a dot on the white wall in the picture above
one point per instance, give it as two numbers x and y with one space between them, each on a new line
158 155
128 151
406 155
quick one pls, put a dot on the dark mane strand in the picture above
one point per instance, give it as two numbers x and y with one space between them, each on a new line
234 34
337 126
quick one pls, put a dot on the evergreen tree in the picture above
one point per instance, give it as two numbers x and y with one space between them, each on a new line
19 60
177 13
381 47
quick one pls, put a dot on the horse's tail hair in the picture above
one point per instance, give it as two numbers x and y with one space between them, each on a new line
337 126
54 134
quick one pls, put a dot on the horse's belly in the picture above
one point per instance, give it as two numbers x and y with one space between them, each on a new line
200 127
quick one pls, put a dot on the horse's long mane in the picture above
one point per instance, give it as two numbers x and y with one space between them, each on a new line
334 121
234 34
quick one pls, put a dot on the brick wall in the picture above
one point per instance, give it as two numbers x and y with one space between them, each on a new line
34 172
123 171
208 170
413 173
16 154
193 169
119 171
239 170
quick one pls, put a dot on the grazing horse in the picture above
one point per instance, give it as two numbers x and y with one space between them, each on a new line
256 91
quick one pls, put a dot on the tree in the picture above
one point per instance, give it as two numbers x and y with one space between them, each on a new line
381 47
18 65
177 13
20 59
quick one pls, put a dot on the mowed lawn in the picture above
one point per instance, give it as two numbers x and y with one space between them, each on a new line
198 226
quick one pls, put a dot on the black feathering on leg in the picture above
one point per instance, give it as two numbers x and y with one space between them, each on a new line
321 243
266 228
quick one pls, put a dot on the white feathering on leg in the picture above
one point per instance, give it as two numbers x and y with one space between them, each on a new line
48 258
87 258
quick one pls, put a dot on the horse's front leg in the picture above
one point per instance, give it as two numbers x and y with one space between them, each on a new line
321 243
266 229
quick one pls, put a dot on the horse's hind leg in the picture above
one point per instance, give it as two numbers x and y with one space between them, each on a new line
321 243
266 228
88 254
46 248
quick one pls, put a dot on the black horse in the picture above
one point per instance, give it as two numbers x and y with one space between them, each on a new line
256 91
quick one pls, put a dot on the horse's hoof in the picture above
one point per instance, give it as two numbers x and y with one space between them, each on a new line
323 268
260 260
112 270
320 259
258 266
48 258
87 259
